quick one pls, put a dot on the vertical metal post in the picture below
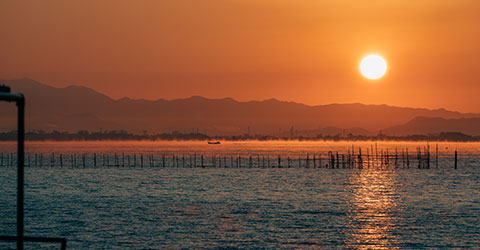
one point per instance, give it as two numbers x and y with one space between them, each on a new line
5 95
20 171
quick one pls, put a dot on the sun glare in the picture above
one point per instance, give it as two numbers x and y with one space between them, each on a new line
373 67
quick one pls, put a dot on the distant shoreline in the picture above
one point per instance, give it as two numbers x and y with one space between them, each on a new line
125 136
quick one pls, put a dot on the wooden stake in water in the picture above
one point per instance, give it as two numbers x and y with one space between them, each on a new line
419 157
396 158
329 160
371 150
307 164
387 158
428 154
349 159
408 160
368 158
455 158
360 160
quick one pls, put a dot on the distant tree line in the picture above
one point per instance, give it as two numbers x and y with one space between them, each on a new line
83 135
122 135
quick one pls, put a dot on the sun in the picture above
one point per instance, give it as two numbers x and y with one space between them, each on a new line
373 67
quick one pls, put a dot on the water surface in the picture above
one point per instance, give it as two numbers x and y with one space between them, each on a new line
267 208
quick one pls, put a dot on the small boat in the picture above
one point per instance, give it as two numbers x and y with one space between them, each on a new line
213 142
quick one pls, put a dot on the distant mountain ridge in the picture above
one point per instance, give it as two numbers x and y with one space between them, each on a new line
80 108
436 125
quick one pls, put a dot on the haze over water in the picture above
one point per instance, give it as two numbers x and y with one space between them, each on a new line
243 148
247 208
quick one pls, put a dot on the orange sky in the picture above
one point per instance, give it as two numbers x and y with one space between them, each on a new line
305 51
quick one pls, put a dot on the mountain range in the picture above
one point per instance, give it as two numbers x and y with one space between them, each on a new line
76 108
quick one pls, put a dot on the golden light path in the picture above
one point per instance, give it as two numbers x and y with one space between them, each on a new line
373 199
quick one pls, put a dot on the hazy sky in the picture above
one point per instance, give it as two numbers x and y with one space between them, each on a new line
304 50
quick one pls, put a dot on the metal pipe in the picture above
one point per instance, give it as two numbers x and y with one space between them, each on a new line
5 95
10 97
20 170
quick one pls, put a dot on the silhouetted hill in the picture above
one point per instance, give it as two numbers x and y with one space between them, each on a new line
79 108
436 125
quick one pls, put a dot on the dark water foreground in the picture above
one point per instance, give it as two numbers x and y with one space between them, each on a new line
175 208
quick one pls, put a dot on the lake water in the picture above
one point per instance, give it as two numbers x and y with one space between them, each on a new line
151 207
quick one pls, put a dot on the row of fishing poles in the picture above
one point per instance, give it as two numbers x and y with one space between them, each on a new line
348 160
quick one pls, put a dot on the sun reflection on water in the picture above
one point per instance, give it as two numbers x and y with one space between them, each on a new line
373 204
